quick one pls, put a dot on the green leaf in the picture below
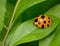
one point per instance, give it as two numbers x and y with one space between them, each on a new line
9 7
23 5
10 36
2 15
2 12
46 41
54 11
41 8
34 35
56 40
15 26
27 32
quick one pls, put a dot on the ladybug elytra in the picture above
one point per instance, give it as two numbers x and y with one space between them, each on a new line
42 21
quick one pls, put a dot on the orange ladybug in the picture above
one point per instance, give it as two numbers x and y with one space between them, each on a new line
42 21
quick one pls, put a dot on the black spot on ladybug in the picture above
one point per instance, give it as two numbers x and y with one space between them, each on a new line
49 21
44 22
36 20
47 25
42 26
42 16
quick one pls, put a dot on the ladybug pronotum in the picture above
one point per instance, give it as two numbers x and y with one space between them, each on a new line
42 21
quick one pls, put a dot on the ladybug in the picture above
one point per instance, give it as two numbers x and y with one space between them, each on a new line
42 21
